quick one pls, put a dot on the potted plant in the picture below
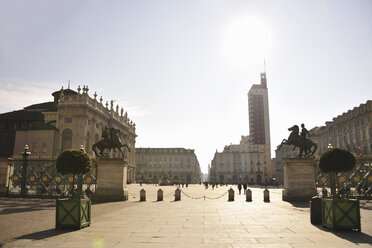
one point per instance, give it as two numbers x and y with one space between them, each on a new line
339 213
75 211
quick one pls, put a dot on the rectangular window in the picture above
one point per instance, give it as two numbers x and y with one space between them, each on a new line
44 150
68 120
34 148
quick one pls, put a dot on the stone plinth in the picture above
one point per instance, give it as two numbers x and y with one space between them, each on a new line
299 179
111 180
4 176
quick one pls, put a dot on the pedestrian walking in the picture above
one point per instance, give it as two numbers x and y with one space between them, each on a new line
245 187
240 188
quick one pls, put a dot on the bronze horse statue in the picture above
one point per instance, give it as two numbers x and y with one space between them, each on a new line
109 141
296 140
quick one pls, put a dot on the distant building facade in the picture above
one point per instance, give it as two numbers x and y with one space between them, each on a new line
245 163
71 120
180 164
351 130
250 161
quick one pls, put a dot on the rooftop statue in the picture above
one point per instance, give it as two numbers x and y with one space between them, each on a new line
110 140
300 140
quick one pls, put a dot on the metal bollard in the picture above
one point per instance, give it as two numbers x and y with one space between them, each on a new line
266 195
248 195
177 195
142 195
231 194
160 195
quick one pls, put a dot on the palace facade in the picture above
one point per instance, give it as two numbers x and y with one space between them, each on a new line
180 165
351 130
72 120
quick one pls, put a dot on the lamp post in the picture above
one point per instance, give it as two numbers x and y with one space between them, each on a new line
24 170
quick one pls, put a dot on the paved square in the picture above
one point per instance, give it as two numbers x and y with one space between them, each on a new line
186 223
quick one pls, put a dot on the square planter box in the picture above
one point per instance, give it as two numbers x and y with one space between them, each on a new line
341 214
73 213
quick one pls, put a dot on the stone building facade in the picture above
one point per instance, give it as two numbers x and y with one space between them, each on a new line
179 164
245 163
71 120
351 130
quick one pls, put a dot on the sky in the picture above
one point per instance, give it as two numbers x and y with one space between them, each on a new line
183 68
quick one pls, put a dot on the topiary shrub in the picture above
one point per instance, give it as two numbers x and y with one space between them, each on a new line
336 160
75 162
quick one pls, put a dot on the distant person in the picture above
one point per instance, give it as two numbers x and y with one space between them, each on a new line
240 188
245 187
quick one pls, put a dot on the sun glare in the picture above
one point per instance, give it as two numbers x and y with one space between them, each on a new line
247 42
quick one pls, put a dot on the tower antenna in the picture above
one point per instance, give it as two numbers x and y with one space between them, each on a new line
264 65
68 84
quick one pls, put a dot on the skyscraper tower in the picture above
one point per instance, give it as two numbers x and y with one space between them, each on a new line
258 106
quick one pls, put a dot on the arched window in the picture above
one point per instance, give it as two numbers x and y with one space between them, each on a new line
66 139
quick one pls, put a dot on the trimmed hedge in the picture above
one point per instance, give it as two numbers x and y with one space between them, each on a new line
336 160
73 161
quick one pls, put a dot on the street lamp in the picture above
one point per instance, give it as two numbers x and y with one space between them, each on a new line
25 154
330 146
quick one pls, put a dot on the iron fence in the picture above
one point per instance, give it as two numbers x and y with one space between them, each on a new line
40 178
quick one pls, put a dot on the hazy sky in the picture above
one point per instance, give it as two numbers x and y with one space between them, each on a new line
182 69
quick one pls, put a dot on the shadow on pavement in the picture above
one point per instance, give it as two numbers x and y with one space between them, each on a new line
20 210
44 234
352 236
300 204
19 205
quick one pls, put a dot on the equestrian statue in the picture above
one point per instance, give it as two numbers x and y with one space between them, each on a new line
110 140
299 140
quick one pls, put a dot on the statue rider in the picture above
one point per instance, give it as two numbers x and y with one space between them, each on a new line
114 136
304 133
105 134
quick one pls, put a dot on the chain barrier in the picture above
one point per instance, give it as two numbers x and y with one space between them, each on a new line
205 197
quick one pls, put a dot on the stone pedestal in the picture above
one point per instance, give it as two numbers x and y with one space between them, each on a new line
299 179
142 195
266 195
4 176
177 195
160 195
248 195
231 194
111 180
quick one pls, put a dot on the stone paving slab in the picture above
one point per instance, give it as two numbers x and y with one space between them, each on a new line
186 223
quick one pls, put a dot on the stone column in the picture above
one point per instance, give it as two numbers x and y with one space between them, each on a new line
111 180
299 179
4 176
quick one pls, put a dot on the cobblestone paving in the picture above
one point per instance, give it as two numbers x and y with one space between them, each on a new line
186 223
